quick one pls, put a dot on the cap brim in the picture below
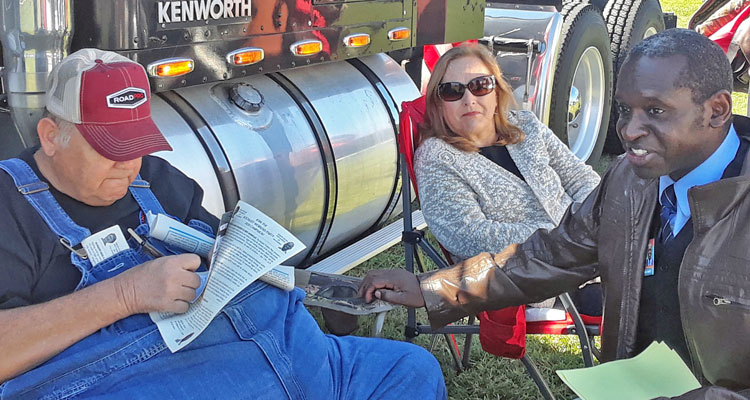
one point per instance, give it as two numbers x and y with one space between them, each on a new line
125 141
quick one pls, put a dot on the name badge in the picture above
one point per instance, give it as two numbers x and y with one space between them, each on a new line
105 244
650 255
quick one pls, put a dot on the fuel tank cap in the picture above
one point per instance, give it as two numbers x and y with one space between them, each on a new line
246 97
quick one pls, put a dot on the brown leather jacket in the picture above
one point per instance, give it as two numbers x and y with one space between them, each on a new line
607 235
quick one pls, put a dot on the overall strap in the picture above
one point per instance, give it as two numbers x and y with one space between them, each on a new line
141 191
37 194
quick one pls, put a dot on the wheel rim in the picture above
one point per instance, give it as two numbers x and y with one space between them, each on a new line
586 103
651 31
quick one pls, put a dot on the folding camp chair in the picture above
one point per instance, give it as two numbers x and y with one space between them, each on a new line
502 332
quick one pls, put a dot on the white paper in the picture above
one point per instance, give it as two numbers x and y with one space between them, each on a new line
177 234
104 244
282 277
252 245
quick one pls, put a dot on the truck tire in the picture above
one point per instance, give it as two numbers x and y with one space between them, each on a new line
582 91
628 22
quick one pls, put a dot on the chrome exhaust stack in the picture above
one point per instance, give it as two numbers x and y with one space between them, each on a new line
35 37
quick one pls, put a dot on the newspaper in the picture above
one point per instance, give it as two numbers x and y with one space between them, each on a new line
248 245
282 277
177 234
336 292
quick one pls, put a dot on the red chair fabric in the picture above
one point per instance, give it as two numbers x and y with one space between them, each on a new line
723 36
412 115
432 53
561 327
501 332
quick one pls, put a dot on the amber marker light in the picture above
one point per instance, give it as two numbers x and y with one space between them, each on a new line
245 56
170 67
357 40
306 47
399 34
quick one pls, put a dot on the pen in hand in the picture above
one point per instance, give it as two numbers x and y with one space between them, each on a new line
146 245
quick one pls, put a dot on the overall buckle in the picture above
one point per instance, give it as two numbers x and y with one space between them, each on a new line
81 252
32 188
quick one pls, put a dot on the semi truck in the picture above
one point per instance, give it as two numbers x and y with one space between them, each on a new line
292 105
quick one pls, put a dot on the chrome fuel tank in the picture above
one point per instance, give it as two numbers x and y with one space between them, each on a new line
314 148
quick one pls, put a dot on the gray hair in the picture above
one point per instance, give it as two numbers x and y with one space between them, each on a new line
706 70
64 128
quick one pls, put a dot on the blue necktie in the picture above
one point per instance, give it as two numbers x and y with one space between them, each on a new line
668 212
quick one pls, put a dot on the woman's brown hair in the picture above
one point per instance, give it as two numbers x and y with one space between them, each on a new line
434 124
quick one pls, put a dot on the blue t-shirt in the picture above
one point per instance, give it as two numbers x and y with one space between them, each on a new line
36 268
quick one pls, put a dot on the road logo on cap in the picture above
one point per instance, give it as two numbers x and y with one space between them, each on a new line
131 97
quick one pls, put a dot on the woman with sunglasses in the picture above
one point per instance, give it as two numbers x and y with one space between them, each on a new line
489 176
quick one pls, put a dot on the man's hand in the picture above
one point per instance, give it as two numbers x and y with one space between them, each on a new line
166 284
396 286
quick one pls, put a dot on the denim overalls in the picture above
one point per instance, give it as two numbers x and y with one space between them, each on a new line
263 345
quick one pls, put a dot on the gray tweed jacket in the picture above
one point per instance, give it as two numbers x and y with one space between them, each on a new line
473 205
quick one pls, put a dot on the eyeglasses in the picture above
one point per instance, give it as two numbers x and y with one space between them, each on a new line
454 91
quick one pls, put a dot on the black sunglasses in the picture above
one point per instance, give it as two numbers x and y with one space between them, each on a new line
454 91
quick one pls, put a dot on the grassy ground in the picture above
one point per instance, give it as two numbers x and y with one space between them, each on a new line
491 377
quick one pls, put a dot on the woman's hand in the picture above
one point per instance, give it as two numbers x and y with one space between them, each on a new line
395 286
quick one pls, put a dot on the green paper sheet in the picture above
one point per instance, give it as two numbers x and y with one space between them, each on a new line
657 371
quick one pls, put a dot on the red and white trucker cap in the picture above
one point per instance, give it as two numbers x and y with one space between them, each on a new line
107 96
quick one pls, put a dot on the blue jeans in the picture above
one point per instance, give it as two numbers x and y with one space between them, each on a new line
263 345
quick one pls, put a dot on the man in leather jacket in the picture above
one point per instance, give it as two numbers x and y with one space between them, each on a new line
680 196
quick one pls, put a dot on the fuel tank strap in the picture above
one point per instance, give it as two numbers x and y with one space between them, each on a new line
393 113
329 161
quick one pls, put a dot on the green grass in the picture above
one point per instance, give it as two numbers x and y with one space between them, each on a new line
682 8
491 377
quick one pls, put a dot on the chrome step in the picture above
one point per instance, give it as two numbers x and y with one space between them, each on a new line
366 248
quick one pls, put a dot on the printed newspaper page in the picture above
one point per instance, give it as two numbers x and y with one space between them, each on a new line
177 234
282 277
251 245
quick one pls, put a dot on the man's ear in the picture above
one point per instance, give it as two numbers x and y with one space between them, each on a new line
48 131
720 105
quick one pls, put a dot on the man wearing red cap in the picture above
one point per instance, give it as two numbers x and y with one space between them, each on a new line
74 326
